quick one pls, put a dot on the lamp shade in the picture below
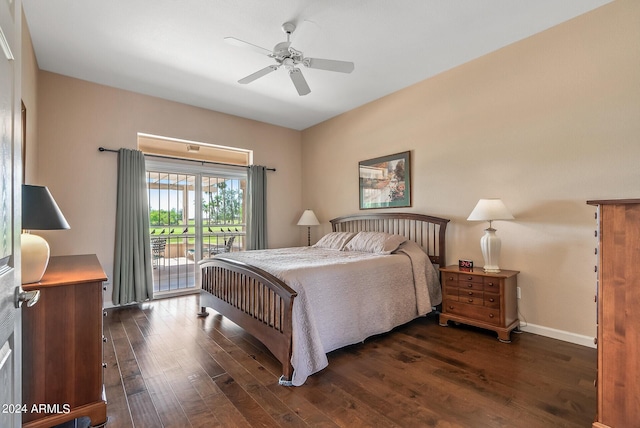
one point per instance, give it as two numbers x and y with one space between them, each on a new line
40 211
489 210
308 218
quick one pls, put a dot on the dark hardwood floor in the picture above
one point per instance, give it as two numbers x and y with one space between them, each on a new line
168 368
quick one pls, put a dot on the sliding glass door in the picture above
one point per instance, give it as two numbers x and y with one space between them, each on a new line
194 214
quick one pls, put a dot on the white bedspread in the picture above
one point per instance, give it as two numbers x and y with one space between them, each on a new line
345 297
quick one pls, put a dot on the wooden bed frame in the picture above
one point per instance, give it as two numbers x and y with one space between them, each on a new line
262 304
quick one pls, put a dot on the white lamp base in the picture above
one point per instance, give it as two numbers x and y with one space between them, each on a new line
490 245
35 257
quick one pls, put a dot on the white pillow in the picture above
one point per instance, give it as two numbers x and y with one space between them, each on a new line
375 242
334 240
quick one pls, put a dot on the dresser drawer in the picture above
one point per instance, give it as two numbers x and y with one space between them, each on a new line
491 285
476 286
451 293
471 297
450 280
492 300
464 278
476 312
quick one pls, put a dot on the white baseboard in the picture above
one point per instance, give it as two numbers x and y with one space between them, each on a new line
565 336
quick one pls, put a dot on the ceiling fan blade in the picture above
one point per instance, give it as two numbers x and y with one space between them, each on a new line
329 65
299 81
241 43
258 74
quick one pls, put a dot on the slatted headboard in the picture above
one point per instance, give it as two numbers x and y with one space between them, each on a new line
427 231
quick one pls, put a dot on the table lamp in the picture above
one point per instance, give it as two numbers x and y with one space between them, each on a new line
308 219
39 212
490 210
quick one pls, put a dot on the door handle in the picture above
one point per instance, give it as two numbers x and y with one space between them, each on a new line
28 297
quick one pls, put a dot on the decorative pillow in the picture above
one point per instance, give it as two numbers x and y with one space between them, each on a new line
375 242
334 240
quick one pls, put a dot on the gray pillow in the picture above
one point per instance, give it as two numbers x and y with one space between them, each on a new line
375 242
334 240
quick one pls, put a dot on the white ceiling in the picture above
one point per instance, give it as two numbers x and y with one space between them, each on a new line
174 49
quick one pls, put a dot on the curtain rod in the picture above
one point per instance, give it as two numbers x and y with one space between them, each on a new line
102 149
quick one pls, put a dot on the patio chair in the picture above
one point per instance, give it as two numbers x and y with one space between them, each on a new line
224 248
158 245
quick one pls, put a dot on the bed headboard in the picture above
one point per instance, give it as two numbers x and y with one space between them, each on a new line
427 231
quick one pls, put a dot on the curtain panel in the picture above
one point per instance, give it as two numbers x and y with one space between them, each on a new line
132 279
257 208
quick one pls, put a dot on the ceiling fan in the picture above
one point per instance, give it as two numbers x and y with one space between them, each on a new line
290 58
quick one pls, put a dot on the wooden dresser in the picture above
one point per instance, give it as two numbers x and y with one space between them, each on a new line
62 344
485 300
618 306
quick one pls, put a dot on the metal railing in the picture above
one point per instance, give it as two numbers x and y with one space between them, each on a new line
175 256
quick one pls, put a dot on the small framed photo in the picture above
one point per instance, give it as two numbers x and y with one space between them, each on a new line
465 265
385 182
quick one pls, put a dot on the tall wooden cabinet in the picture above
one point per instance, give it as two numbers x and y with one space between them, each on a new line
62 344
618 306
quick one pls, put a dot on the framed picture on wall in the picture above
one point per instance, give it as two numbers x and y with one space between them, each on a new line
385 182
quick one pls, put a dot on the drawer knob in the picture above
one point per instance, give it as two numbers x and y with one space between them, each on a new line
469 278
470 293
491 299
490 284
104 365
469 285
450 307
491 315
470 300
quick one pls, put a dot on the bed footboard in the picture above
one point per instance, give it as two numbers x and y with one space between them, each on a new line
255 300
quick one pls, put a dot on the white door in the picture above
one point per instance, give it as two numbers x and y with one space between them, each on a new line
10 197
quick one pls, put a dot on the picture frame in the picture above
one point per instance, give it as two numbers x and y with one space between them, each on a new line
385 182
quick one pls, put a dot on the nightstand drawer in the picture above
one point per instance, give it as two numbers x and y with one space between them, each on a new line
451 293
492 300
476 312
476 286
450 280
471 297
491 285
464 278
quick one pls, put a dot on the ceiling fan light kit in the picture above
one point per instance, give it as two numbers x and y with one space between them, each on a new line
290 58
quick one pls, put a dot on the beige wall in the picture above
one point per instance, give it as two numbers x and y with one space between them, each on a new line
76 117
544 124
29 99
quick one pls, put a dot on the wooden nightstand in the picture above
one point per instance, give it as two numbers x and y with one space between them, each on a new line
485 300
